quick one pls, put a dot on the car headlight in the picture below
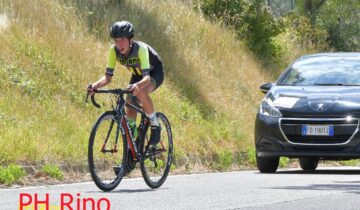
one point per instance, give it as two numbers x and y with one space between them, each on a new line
269 110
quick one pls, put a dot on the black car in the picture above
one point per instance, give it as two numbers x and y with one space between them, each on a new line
312 112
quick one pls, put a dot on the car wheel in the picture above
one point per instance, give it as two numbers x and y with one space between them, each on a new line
267 164
308 164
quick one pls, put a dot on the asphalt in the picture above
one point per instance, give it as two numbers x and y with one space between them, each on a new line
326 188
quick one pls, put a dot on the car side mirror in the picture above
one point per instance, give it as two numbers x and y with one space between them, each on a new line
266 87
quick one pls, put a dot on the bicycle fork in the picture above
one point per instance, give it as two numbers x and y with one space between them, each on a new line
103 148
124 132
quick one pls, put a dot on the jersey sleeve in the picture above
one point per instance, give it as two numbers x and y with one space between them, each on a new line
144 60
111 61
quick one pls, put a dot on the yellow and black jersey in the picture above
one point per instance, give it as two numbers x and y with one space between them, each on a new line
142 59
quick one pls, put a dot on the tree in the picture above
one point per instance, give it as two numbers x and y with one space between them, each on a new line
341 20
312 8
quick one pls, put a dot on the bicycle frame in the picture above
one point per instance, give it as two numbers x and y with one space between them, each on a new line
126 130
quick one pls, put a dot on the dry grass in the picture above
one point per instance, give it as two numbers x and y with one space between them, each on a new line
210 93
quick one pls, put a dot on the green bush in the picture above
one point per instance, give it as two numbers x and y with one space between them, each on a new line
341 20
304 33
53 171
11 174
299 38
252 22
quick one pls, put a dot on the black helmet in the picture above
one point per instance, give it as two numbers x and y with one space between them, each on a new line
122 29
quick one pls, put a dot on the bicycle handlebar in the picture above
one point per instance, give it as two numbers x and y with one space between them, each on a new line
93 101
112 91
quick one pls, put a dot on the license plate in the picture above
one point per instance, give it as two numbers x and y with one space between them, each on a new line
317 130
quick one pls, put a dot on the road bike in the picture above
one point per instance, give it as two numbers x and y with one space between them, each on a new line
110 159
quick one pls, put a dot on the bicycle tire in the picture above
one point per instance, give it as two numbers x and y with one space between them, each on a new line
105 178
166 142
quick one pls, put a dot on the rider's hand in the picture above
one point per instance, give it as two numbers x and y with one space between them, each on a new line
134 88
90 89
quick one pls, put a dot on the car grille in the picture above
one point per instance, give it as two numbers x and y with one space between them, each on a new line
343 130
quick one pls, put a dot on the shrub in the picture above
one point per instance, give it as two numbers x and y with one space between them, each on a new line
251 20
53 171
11 174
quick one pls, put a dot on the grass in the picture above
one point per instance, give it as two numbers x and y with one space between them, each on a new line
210 94
224 160
11 174
354 162
52 171
284 162
251 155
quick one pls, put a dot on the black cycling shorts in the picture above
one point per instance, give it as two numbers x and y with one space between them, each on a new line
156 77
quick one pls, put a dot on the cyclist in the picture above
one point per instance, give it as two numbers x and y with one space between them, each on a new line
146 68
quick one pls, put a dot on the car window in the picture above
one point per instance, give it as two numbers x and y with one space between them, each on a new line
324 71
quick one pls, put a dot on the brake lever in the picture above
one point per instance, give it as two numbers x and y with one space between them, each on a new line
87 98
87 94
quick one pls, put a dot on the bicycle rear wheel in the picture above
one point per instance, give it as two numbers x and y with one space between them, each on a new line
155 163
106 153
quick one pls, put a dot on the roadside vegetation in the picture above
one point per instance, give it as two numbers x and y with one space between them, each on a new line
11 174
53 171
210 94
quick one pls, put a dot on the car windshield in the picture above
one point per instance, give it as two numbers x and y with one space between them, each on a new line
326 71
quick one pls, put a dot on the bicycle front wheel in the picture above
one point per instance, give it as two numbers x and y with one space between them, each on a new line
156 162
106 152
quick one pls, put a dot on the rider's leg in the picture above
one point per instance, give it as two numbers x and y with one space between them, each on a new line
130 113
143 96
156 79
131 116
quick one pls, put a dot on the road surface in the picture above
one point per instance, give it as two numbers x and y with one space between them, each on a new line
327 188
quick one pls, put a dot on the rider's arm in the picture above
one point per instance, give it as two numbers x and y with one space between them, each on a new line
105 80
145 66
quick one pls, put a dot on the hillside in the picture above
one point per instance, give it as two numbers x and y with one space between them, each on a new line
210 92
